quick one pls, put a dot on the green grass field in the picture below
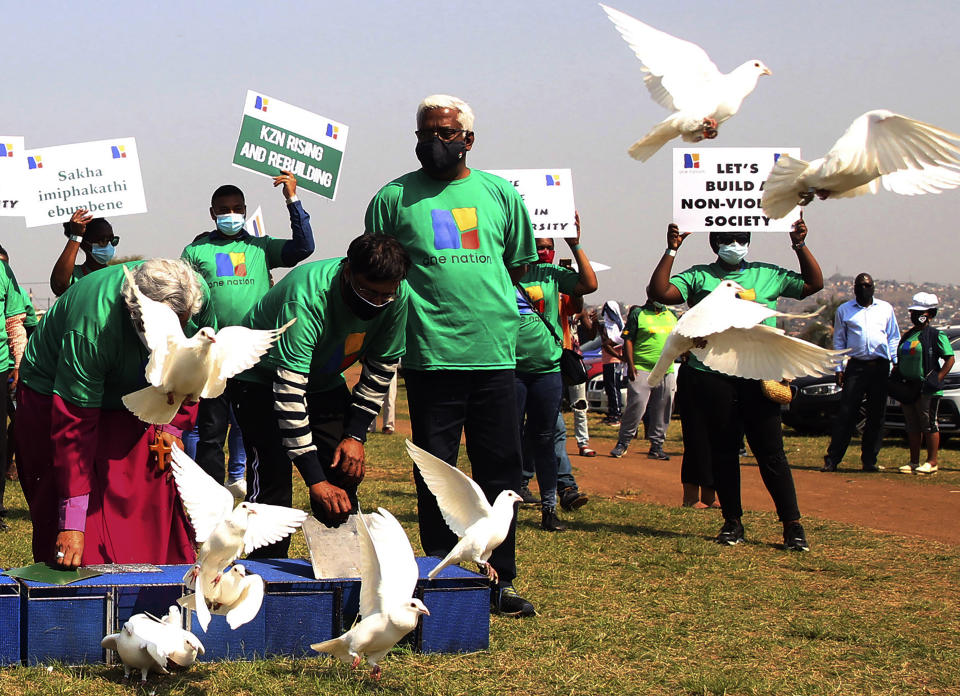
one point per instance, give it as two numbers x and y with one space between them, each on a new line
634 599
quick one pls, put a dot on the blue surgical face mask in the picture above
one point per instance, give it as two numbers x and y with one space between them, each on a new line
732 254
230 223
103 254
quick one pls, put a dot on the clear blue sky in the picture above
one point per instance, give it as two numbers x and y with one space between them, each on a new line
552 85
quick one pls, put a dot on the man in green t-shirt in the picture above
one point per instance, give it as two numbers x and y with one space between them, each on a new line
469 237
643 335
727 406
294 407
236 266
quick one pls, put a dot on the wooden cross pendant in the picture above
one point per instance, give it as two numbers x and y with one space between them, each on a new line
161 449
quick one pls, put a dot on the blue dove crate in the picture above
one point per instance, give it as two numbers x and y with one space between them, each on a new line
67 622
297 610
459 604
9 621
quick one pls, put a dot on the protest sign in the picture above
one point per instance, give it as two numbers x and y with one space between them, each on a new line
275 135
719 189
11 175
548 194
102 176
254 224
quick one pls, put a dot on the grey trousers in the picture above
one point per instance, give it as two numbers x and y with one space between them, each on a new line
657 402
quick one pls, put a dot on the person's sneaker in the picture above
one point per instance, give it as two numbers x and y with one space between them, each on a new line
505 600
794 539
828 465
549 522
619 450
571 498
528 497
873 467
658 453
587 452
387 430
731 533
238 488
908 468
926 468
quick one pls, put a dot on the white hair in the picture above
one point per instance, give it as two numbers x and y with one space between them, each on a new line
445 101
170 281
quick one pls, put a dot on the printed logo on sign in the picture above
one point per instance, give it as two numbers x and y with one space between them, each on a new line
691 160
778 155
553 180
231 265
332 131
455 229
34 162
261 104
6 150
118 151
346 355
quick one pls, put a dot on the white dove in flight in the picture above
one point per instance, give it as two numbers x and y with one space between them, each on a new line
186 369
224 532
388 577
725 333
238 595
146 643
480 526
681 77
879 148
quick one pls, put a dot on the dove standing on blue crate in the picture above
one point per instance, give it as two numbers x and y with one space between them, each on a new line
734 405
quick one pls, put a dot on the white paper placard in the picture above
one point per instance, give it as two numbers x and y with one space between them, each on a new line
11 176
254 224
718 189
548 194
102 176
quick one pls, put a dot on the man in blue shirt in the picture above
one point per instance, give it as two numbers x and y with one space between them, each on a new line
867 328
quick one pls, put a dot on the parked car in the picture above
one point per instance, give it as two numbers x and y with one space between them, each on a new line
597 397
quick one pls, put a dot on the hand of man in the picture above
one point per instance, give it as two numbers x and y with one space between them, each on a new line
289 182
79 220
13 380
632 373
799 232
675 237
333 499
70 544
840 379
349 458
575 240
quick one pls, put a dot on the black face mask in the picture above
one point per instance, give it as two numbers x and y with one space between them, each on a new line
864 295
437 157
362 309
918 318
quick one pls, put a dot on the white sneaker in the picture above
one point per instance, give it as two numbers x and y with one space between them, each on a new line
238 488
908 468
926 468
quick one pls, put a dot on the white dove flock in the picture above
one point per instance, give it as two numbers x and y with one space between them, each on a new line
481 527
224 532
237 596
388 577
738 344
681 77
879 148
146 643
185 369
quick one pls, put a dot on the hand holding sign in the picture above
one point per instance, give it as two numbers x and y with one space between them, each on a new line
289 182
79 220
675 237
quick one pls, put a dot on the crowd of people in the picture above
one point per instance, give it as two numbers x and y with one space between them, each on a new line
96 478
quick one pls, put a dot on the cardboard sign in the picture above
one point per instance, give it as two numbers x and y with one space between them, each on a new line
102 176
275 135
548 194
11 175
254 224
719 189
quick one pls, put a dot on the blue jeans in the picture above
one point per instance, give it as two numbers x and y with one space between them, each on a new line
565 477
237 461
538 403
611 385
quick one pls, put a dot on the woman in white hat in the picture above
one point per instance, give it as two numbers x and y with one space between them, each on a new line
924 355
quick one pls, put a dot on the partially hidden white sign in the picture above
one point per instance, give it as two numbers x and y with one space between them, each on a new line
548 194
11 176
102 176
719 189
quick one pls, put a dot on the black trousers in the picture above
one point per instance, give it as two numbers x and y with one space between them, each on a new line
697 465
482 404
861 378
4 461
269 469
729 407
213 418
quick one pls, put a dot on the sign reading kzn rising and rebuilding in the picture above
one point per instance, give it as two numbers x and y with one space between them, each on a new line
11 175
275 135
548 194
719 189
102 176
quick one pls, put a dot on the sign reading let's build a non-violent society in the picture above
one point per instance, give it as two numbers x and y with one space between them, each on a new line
275 135
719 189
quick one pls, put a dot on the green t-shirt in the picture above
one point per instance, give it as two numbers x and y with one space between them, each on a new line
86 350
537 349
462 236
327 337
910 354
237 269
648 329
767 281
31 318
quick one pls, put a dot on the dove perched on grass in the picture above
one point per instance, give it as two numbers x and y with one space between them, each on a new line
224 532
480 526
738 344
145 643
681 77
879 148
186 369
237 596
388 577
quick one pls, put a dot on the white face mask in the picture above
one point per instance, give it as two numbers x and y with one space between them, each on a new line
733 254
